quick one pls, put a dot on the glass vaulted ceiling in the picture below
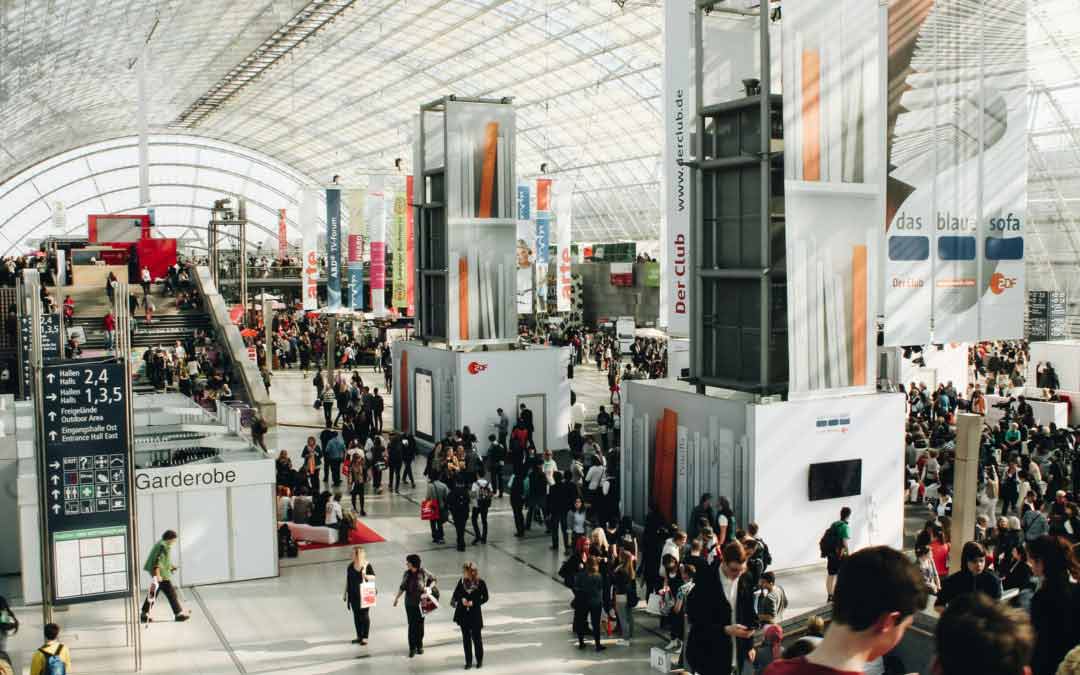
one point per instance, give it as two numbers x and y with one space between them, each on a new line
584 74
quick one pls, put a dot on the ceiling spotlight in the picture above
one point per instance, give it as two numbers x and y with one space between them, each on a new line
543 167
397 163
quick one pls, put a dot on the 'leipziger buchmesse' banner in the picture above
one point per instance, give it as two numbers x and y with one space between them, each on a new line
957 157
564 215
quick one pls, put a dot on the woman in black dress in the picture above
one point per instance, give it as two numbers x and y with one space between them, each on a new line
358 572
469 595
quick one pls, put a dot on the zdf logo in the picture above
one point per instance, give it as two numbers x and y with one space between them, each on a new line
999 283
475 367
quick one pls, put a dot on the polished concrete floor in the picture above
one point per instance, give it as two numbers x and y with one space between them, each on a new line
297 622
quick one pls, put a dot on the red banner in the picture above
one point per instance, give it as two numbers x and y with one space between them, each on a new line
410 249
543 194
282 236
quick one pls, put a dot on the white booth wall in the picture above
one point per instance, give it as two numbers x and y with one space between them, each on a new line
949 364
1064 355
468 387
786 441
758 456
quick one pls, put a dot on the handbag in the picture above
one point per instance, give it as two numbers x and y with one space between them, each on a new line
429 509
317 404
429 602
368 592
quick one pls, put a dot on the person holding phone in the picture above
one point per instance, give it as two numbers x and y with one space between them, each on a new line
722 615
470 594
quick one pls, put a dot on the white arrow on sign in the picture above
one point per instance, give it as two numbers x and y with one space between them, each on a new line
50 377
55 494
52 416
56 509
51 397
52 435
55 479
54 465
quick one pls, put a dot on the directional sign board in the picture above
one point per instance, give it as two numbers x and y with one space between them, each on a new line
24 354
50 336
86 473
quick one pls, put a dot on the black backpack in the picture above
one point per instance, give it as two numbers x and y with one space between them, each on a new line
829 543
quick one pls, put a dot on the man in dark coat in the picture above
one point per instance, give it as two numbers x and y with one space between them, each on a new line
721 639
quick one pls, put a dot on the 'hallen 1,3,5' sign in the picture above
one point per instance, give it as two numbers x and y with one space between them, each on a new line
50 343
86 474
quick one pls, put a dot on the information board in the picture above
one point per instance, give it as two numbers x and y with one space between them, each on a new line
87 476
1046 316
50 336
24 354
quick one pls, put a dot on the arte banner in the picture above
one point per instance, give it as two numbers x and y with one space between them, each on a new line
333 248
957 156
526 249
399 293
354 208
564 216
377 223
309 204
282 236
677 115
833 201
410 250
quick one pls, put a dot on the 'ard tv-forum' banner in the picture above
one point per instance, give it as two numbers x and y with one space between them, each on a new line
956 194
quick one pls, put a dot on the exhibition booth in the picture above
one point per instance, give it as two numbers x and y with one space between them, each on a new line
933 365
788 466
1064 356
193 474
438 390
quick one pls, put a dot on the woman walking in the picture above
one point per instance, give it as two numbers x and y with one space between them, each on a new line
469 595
1055 607
357 478
624 593
414 582
588 602
358 572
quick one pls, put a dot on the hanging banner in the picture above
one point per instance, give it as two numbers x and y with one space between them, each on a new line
564 210
333 248
543 240
833 201
377 221
282 236
354 209
675 185
399 294
410 250
526 249
309 244
956 196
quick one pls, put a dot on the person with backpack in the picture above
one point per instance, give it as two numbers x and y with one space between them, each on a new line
438 491
834 548
458 503
52 658
559 503
482 493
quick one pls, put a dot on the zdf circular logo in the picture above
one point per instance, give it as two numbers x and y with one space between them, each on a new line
999 283
475 367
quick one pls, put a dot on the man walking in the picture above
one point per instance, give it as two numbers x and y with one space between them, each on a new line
159 566
51 657
333 453
603 424
377 410
502 426
496 457
834 548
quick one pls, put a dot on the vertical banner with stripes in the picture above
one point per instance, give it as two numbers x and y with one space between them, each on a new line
957 157
564 215
309 204
833 189
377 220
410 250
526 248
543 240
354 208
282 236
399 293
333 248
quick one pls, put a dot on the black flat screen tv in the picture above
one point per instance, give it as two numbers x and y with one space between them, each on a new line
830 480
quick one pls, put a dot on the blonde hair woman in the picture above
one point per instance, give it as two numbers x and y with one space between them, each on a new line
469 595
358 572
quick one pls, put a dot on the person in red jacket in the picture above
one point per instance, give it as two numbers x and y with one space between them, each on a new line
110 330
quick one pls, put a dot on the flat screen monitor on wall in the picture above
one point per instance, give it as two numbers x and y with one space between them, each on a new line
830 480
425 404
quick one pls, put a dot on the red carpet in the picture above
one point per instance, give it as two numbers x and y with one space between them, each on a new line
361 534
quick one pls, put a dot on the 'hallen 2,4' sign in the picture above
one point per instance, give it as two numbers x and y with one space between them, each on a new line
86 474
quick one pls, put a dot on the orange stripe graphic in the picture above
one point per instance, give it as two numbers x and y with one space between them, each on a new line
487 175
858 315
811 115
463 298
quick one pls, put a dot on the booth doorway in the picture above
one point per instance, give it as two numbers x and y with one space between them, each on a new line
537 403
